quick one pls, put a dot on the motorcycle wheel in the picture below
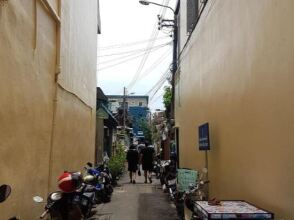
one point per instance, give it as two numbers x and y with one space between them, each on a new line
87 210
109 189
54 215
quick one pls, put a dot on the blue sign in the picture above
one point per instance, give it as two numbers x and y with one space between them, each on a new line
204 143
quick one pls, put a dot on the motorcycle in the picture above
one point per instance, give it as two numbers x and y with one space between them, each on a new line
5 191
60 206
156 168
168 174
197 191
74 205
102 182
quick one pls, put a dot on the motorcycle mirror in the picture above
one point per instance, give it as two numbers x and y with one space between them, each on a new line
5 191
38 199
204 170
90 164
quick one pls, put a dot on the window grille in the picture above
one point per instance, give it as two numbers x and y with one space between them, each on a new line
192 14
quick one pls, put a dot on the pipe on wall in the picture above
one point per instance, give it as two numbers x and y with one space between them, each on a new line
51 10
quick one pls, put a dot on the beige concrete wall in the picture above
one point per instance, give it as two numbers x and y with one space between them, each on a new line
43 122
237 74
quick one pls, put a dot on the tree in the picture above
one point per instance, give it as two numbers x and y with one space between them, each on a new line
145 127
167 99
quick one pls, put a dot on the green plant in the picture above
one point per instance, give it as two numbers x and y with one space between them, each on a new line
146 128
116 163
167 97
167 100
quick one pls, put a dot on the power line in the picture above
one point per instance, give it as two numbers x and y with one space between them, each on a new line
159 86
144 59
161 80
129 59
133 51
119 46
155 64
125 56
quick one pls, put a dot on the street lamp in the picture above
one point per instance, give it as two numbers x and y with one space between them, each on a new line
144 2
153 3
175 42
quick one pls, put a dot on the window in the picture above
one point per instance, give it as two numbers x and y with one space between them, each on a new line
140 103
192 14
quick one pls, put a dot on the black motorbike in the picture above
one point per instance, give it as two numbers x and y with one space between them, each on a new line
168 173
196 191
75 205
156 167
5 191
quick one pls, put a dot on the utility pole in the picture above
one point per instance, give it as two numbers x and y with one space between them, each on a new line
124 110
172 24
175 64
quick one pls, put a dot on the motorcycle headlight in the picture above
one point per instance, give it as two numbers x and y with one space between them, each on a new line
56 196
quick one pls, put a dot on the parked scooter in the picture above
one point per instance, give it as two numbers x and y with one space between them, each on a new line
5 191
168 173
197 191
74 201
102 182
156 167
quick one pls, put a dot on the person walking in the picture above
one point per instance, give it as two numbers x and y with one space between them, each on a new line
146 157
133 160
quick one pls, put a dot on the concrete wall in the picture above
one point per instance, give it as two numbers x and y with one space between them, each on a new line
237 74
47 122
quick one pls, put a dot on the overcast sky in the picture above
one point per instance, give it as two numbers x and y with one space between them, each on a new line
126 24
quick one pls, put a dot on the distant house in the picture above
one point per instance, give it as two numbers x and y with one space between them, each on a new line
136 110
116 101
105 127
137 115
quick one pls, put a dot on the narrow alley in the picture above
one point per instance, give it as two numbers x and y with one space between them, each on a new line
196 92
137 201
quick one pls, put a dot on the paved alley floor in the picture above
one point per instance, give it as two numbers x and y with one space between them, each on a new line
137 202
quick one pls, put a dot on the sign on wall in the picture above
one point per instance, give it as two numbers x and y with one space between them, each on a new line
204 143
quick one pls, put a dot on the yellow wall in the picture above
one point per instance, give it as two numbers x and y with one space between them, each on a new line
42 121
237 74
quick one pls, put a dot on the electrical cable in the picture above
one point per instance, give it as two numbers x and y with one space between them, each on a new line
155 64
144 59
151 101
119 46
133 51
157 89
125 56
126 60
162 79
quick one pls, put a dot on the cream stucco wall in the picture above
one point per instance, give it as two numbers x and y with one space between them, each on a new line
47 123
237 74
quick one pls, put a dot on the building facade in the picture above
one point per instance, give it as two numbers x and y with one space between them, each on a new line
106 126
116 101
47 95
136 111
138 115
236 73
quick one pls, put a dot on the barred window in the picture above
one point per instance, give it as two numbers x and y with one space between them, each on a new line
192 14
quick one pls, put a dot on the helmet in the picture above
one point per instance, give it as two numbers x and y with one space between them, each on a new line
70 181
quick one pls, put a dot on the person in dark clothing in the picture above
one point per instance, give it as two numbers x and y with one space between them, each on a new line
146 157
133 160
